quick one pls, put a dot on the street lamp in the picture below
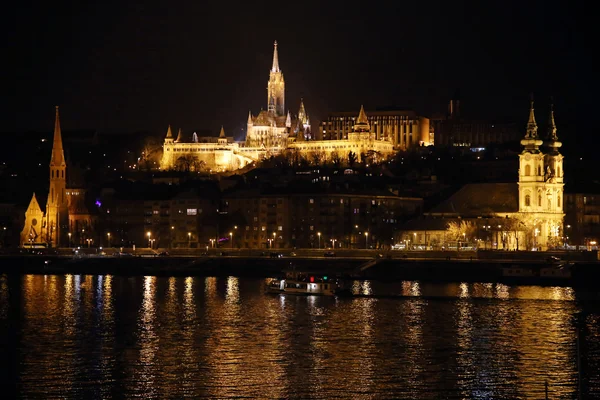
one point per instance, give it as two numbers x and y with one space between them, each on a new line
149 234
212 243
231 238
189 239
107 235
333 241
69 239
274 237
366 240
319 235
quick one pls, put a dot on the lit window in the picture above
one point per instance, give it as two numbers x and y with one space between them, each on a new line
192 211
311 201
312 227
264 228
280 228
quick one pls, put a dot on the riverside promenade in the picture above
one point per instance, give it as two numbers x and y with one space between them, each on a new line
446 266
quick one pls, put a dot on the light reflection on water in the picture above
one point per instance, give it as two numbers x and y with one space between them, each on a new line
83 336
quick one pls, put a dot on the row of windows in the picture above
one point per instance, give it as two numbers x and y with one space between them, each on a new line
539 170
528 201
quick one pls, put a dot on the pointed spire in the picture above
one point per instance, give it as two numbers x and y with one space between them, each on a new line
288 120
33 204
250 118
169 133
552 125
302 112
362 117
275 67
362 123
178 140
531 124
58 157
222 133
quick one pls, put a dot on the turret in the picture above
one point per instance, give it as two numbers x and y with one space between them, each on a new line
362 123
531 141
169 137
288 120
222 138
179 138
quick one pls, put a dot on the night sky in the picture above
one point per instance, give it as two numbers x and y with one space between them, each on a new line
119 67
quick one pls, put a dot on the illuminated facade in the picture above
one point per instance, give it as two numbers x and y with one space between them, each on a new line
65 208
526 214
271 132
541 184
404 129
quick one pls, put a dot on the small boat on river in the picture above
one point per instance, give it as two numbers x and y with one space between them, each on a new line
300 284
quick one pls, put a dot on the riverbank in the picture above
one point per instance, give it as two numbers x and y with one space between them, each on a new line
449 269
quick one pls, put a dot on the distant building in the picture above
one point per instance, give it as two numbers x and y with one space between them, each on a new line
528 213
404 129
456 131
322 217
274 131
582 220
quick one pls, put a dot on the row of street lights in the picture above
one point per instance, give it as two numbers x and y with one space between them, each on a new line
335 240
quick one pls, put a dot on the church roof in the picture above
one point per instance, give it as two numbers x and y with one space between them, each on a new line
480 199
263 119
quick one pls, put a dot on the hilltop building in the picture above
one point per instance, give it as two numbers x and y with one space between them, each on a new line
271 132
403 128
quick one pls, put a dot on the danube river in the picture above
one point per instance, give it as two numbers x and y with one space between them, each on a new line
103 337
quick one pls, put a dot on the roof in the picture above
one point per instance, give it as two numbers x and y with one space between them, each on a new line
478 199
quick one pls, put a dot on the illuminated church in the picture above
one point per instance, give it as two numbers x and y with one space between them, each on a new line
269 133
523 214
66 217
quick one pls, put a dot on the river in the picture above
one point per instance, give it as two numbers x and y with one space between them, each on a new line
106 337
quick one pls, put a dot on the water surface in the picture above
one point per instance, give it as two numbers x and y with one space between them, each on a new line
102 337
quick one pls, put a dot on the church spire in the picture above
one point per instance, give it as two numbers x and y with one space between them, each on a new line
552 125
531 124
222 133
250 118
275 67
178 140
288 120
169 133
58 156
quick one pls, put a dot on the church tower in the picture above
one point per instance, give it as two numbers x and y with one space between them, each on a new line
276 88
57 217
540 189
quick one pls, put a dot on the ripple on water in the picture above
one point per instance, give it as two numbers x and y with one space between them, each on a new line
78 336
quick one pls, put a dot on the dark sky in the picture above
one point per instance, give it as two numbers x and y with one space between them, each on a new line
123 66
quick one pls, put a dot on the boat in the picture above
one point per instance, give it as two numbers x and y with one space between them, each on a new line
301 284
551 271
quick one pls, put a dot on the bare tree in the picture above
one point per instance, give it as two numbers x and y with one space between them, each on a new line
352 158
461 230
188 163
317 158
336 160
